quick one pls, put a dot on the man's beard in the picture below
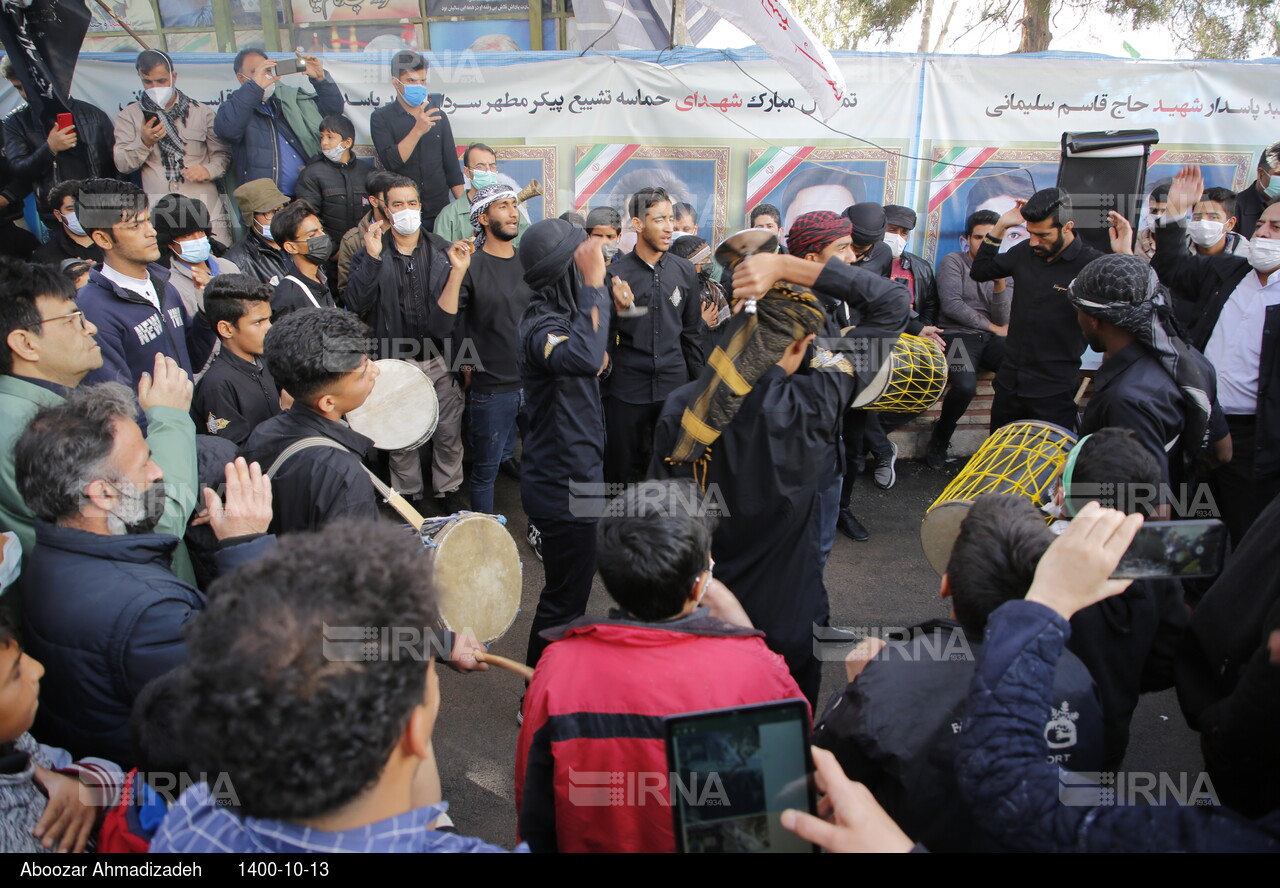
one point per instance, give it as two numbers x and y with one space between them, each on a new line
140 511
496 231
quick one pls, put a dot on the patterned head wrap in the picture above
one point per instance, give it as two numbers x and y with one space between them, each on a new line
1124 291
756 343
485 198
814 232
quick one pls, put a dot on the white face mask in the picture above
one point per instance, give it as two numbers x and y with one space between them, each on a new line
73 224
895 242
269 91
160 95
335 154
406 222
1264 254
1206 232
11 567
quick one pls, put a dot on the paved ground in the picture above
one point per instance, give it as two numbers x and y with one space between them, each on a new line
883 582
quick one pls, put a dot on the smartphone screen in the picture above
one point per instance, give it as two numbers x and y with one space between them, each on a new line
1177 549
733 773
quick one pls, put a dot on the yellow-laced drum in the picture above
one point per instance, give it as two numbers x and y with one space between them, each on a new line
402 410
477 572
910 379
1022 458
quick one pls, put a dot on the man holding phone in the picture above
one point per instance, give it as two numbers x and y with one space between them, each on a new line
273 128
170 138
48 149
413 138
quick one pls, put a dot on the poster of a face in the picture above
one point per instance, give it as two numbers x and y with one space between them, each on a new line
518 165
799 180
608 175
966 179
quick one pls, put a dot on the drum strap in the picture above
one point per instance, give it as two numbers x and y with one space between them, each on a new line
307 290
389 496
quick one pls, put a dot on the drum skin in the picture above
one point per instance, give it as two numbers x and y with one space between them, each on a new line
1022 459
477 573
402 410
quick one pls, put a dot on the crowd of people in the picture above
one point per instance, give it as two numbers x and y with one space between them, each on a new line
174 445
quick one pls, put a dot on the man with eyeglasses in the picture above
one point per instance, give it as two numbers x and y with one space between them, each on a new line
480 165
138 312
48 347
413 138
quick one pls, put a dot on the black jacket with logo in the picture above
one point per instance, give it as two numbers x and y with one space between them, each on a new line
233 397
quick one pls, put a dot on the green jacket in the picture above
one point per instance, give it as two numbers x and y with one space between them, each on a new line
454 221
170 433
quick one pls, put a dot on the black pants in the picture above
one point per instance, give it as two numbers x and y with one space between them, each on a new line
628 445
1060 409
1237 490
569 563
863 430
966 353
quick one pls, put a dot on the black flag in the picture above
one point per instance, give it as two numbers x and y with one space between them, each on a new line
43 39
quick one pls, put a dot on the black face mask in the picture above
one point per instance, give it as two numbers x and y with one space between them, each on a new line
319 248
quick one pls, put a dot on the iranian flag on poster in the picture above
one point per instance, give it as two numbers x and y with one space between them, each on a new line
594 169
951 171
770 169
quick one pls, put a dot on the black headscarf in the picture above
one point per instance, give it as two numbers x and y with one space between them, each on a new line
1124 291
546 254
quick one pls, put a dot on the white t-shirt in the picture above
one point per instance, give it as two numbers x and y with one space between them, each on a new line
142 286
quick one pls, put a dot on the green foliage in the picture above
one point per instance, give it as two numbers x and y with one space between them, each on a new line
1208 29
843 24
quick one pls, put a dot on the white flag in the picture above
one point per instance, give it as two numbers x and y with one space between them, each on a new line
791 44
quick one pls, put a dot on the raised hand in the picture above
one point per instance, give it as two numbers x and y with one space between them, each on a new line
1184 193
247 509
167 385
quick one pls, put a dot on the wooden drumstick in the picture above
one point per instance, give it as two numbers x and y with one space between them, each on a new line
525 672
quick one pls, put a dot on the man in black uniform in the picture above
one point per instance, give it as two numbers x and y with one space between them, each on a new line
562 340
320 357
1041 367
237 392
765 453
653 354
1151 381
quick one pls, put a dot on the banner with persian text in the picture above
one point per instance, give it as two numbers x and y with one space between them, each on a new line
942 134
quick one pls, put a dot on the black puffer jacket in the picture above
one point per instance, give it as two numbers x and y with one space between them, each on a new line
26 145
258 259
337 191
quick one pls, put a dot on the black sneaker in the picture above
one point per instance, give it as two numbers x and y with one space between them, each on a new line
851 527
535 540
885 475
935 457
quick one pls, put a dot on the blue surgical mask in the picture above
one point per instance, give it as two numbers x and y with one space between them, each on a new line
194 251
414 94
1273 187
265 231
11 566
483 178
